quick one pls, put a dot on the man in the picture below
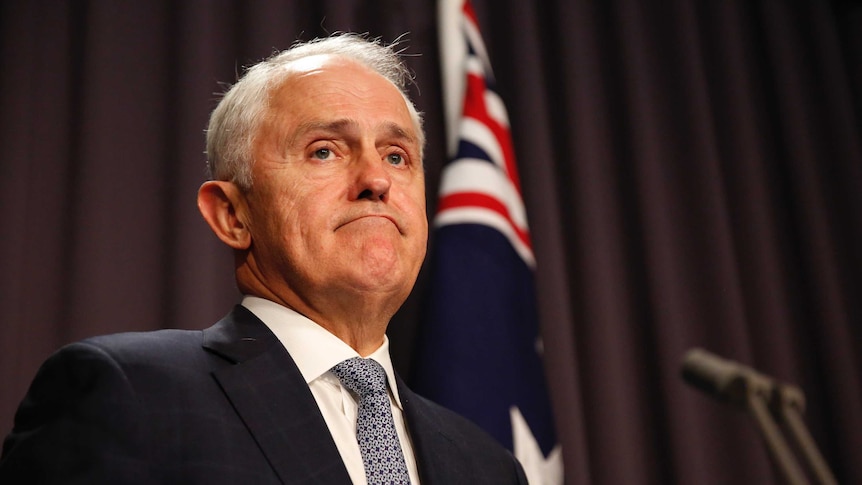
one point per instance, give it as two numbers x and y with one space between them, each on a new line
318 186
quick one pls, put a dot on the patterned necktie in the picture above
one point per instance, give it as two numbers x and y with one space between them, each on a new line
375 429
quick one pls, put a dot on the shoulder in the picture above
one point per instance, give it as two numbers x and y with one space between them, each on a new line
105 362
132 346
117 353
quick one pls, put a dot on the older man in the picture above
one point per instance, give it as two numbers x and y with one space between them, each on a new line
318 186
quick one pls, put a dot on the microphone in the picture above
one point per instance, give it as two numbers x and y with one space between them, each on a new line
732 382
762 397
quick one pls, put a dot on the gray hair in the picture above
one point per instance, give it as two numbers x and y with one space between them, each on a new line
236 120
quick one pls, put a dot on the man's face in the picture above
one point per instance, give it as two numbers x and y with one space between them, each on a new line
337 207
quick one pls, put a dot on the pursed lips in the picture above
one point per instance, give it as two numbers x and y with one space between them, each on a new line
368 216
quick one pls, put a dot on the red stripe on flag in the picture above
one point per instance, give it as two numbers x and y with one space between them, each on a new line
460 200
467 8
475 107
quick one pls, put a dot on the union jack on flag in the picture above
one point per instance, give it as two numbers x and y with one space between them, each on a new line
479 351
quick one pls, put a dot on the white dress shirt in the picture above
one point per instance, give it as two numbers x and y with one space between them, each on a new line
315 351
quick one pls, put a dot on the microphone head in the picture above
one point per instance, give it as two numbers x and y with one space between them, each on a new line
724 379
713 375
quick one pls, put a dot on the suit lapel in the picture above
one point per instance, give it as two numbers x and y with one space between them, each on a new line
272 399
438 452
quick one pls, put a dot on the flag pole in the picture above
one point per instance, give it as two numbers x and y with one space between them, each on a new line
453 51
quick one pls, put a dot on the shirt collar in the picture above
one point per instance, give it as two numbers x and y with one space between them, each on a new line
314 349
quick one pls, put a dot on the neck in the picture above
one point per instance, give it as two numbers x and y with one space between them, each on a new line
360 325
358 319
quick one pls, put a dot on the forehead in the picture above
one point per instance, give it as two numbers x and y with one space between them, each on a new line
329 83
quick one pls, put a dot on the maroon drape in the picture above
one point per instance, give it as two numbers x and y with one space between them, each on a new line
692 173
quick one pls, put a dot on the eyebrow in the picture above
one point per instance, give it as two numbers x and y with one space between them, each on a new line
348 125
337 126
394 130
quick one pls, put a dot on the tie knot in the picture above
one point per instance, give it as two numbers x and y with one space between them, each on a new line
362 376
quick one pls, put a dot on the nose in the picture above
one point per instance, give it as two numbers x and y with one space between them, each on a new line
372 180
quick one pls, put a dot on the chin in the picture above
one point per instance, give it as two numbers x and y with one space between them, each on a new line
380 267
376 280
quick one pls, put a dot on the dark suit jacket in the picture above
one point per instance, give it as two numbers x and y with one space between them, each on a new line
222 405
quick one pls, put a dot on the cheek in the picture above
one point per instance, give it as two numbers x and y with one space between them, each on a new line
422 240
301 225
416 200
280 222
309 223
415 211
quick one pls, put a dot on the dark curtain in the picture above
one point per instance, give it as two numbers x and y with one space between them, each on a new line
692 174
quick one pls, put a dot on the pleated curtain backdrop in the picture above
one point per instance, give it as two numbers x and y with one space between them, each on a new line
692 172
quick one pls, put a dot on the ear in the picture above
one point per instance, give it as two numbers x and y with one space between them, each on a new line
222 205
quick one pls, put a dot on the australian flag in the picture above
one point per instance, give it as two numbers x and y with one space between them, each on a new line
479 351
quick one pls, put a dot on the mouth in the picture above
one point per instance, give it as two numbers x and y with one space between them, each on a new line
374 218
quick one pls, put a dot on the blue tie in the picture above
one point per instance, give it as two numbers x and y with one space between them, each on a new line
375 429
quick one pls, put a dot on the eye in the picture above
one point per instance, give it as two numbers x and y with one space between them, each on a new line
395 159
322 153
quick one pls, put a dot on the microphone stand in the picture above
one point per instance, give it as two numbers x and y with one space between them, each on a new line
745 387
788 404
756 390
